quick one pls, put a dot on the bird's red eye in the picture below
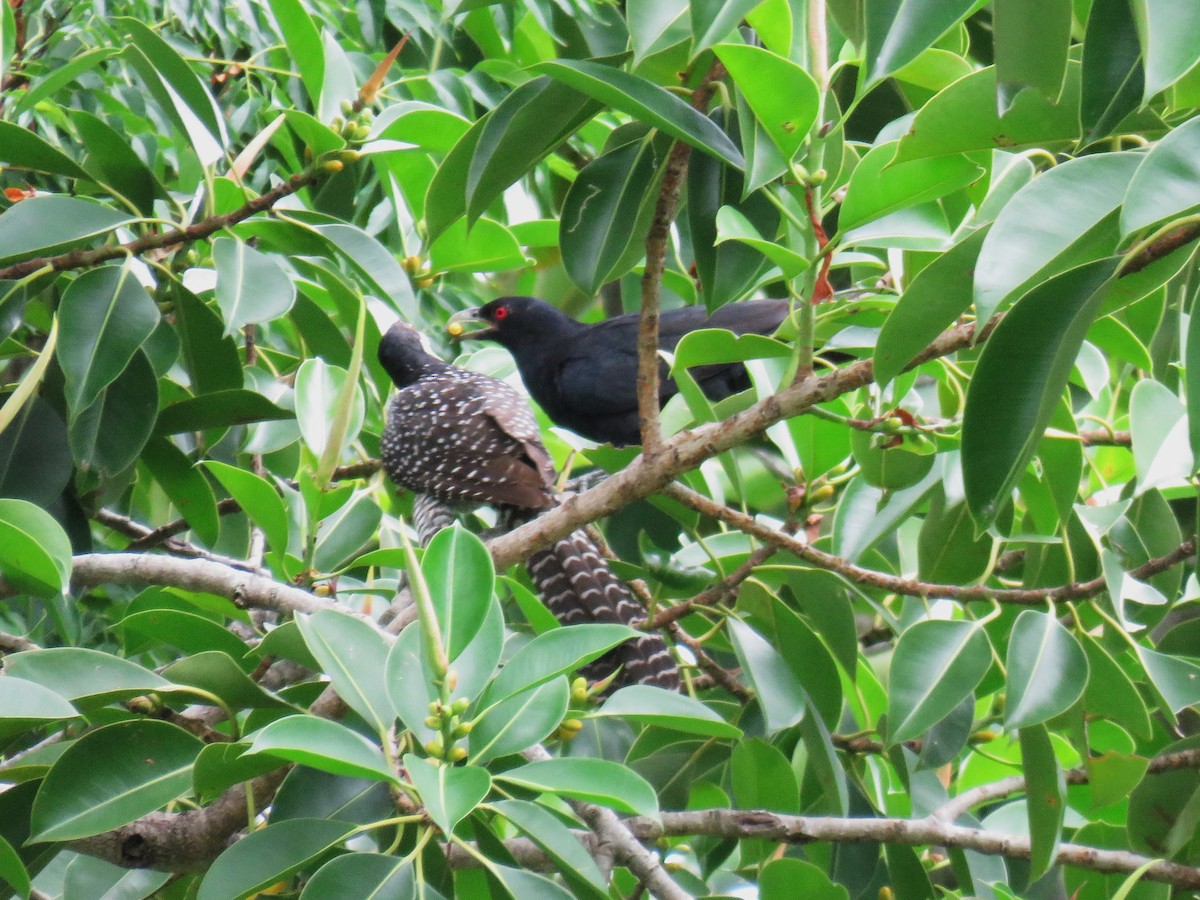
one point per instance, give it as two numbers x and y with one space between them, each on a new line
501 312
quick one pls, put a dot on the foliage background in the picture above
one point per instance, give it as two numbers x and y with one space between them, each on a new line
938 621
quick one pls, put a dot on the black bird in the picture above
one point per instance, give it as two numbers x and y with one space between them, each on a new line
585 376
464 438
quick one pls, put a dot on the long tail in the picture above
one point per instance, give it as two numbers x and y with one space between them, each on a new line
577 586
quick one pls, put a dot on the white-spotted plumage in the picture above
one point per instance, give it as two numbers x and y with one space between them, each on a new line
464 438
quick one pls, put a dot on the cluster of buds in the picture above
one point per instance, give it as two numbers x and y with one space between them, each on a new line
355 123
583 696
446 719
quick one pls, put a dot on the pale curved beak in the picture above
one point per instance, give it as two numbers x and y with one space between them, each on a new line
459 326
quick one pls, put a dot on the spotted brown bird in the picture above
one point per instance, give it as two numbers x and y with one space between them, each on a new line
585 375
462 438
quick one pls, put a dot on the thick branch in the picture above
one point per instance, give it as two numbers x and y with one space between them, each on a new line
243 588
911 587
83 258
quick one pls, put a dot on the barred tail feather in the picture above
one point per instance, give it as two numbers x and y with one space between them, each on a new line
577 586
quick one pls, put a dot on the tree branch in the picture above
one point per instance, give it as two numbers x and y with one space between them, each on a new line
910 587
83 258
657 239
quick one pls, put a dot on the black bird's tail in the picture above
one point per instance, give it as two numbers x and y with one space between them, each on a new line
577 586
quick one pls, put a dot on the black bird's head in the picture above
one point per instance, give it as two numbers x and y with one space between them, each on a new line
511 321
405 356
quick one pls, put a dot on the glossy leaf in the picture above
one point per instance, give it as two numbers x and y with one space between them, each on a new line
778 690
597 780
459 572
185 485
1019 380
22 149
79 674
647 103
257 498
897 32
108 436
1031 40
45 225
35 553
219 409
1170 33
13 871
1040 232
303 42
556 652
1162 454
264 857
782 96
353 655
732 225
251 286
1047 670
606 212
105 317
29 701
318 394
936 664
111 776
485 246
519 722
666 709
449 793
1113 74
322 744
549 833
362 875
879 186
1165 184
963 119
713 20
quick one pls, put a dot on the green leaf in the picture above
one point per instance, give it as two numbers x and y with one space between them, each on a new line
531 121
879 186
251 286
1166 183
216 673
1031 40
113 162
258 499
303 41
458 569
47 225
1047 670
656 24
264 857
84 676
948 550
20 148
363 875
557 841
28 701
89 877
528 885
596 780
777 689
112 776
1170 35
1192 381
318 392
177 74
35 553
646 102
714 20
898 31
322 744
554 653
963 119
1177 680
733 226
220 409
485 246
783 97
220 766
605 214
449 793
188 489
1043 230
520 721
1113 75
1161 455
1111 693
105 317
785 878
187 631
937 663
1019 379
1046 793
12 870
353 654
108 436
